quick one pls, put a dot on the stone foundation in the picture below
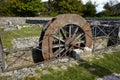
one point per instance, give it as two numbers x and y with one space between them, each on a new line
25 42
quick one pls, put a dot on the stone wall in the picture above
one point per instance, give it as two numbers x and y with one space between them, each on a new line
39 70
23 20
25 42
99 43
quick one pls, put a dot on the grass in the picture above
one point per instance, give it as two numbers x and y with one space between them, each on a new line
103 66
7 36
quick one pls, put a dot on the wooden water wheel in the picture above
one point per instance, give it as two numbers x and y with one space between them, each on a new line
63 34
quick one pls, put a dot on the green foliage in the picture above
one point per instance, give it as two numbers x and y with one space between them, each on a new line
107 7
71 6
52 13
110 10
105 13
90 10
26 7
4 9
66 6
110 62
21 7
55 7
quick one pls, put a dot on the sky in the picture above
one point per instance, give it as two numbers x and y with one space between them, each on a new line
99 3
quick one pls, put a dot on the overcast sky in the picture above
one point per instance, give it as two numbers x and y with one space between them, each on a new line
100 3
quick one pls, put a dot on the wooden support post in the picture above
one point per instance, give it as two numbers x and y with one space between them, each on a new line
2 60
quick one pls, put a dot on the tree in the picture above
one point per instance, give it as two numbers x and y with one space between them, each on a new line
116 10
110 9
90 10
68 6
107 6
26 7
5 8
103 14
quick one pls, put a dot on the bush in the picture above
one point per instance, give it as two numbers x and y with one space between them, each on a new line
5 9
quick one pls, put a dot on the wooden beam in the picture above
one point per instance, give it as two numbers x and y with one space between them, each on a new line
2 60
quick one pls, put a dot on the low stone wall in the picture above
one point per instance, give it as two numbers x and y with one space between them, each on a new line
25 42
23 20
100 42
39 70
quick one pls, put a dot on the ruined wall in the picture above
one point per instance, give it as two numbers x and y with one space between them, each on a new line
23 20
25 42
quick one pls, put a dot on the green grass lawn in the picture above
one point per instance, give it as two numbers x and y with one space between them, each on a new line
109 64
7 36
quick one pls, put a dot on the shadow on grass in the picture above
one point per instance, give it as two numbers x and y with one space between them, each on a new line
95 69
